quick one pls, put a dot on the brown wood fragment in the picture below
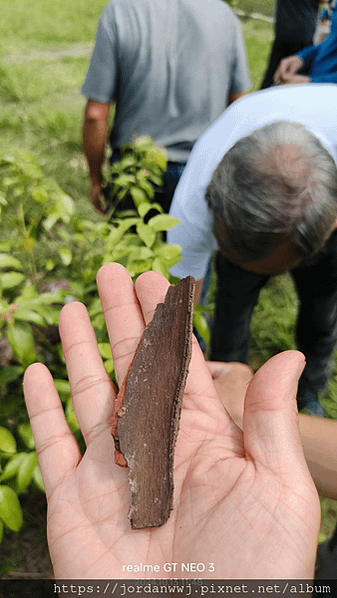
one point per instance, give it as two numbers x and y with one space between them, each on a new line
149 405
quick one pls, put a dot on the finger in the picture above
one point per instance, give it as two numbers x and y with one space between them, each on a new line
123 315
231 381
277 75
56 446
270 424
151 289
92 390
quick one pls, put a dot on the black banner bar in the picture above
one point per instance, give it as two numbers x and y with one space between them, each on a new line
146 588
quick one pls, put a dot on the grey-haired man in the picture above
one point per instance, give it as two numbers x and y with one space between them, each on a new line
260 188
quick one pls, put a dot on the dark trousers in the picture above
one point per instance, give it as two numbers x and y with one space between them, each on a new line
164 194
316 330
281 49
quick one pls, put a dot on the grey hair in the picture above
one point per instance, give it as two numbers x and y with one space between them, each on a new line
279 182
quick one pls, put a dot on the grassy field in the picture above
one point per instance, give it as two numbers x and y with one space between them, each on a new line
44 52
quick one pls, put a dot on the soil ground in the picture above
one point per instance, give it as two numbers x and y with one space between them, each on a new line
25 554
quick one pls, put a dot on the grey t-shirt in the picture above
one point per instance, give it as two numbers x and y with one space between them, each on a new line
169 65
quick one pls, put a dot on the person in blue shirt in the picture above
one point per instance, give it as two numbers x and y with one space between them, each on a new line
321 58
295 24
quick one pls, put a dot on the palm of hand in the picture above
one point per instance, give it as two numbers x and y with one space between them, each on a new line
216 489
231 501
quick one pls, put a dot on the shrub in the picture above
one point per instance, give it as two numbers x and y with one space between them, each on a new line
45 238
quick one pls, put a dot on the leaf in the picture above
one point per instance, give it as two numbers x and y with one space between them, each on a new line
7 441
21 339
8 280
145 186
128 161
12 466
25 471
138 267
138 196
29 244
159 266
28 315
65 205
71 417
125 180
143 142
162 222
201 326
105 350
66 256
10 373
146 233
50 265
109 366
10 509
146 206
3 200
37 477
169 252
118 231
8 261
62 386
25 432
49 222
156 179
40 194
159 156
48 298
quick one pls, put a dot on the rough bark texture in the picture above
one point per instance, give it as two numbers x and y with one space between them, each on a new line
149 406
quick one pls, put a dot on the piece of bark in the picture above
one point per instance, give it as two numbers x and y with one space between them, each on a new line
148 407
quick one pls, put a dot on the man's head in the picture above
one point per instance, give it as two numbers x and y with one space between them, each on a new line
274 198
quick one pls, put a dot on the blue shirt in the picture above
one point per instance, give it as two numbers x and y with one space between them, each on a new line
324 56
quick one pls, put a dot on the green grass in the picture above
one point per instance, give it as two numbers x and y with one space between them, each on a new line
258 37
264 7
26 25
42 112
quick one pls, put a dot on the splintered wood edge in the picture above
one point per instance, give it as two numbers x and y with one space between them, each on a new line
137 520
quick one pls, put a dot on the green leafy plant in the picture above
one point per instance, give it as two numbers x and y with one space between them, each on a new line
141 166
36 214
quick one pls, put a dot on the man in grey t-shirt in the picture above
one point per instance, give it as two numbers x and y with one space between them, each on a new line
170 66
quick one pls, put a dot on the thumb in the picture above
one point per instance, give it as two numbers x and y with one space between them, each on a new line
270 424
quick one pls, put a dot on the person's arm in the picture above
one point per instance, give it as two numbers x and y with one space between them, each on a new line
319 441
318 435
236 96
327 78
95 129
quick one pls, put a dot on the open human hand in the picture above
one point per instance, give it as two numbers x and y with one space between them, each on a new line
244 505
